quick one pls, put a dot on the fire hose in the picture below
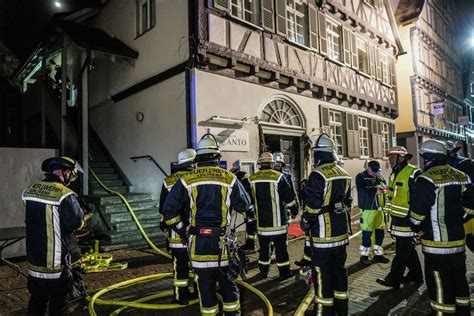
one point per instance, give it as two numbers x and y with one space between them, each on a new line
140 303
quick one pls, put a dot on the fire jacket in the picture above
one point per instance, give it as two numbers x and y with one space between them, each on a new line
437 209
466 165
270 194
210 193
52 215
368 191
327 199
289 179
400 192
173 238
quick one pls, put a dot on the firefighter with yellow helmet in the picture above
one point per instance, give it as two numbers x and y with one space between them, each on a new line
271 196
327 199
436 213
211 193
399 196
52 215
183 166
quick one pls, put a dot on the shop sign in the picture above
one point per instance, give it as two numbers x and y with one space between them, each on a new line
463 120
231 139
437 108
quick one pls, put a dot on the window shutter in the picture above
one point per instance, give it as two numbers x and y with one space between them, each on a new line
355 57
137 17
372 61
378 65
346 41
152 13
281 17
353 136
393 77
313 27
325 119
376 139
323 43
268 21
222 5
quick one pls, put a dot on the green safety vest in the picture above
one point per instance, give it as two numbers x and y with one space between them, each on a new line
398 196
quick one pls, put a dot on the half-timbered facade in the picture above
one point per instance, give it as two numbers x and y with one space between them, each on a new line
429 76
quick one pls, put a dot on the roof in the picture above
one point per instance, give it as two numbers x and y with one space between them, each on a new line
91 38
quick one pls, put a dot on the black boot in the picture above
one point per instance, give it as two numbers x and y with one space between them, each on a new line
286 275
249 245
365 260
380 259
303 263
387 281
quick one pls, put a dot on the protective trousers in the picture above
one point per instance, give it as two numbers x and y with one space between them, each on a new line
206 280
330 281
448 289
251 231
281 253
51 293
405 257
371 222
180 273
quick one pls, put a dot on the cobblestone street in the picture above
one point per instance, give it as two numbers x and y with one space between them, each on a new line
366 296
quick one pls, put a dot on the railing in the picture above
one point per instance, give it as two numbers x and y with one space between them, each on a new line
150 158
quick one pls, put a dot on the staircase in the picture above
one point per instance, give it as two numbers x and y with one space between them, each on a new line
112 223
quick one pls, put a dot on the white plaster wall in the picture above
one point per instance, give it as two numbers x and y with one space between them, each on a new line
160 48
19 168
162 134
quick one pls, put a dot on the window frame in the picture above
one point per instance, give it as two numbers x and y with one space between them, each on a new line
385 67
241 5
292 24
330 43
150 19
365 44
333 126
364 129
385 137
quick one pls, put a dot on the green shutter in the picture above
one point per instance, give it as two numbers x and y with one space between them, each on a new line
376 139
281 17
346 42
268 20
152 13
323 44
355 58
222 5
313 27
325 118
378 65
353 136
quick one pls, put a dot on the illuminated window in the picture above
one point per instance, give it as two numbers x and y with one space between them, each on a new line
364 136
385 138
337 131
333 40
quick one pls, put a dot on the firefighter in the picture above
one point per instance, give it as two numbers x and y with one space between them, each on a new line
211 193
52 215
250 223
271 195
370 195
399 195
326 216
436 213
465 165
306 260
178 248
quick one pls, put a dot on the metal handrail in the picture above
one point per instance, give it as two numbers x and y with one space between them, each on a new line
150 158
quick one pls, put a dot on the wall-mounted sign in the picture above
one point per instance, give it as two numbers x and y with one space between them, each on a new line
437 108
463 120
231 139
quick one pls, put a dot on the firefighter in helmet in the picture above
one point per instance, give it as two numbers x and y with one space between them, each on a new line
178 247
52 215
436 213
211 193
399 195
271 196
327 199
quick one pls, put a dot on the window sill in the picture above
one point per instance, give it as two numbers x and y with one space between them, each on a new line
242 21
364 74
141 34
297 44
340 63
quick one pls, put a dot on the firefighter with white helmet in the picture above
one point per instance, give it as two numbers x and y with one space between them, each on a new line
211 193
436 213
183 166
271 195
327 199
399 195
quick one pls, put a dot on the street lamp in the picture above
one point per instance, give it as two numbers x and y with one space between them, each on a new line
57 4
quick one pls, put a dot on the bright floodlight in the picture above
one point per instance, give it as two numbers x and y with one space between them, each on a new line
57 4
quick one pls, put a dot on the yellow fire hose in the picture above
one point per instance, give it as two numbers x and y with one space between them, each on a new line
140 302
305 303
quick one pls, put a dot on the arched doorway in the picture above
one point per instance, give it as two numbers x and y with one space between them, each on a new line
283 124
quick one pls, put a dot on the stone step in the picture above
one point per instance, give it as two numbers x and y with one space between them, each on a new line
99 159
147 214
105 176
100 164
109 183
131 236
103 170
99 191
122 208
113 199
129 226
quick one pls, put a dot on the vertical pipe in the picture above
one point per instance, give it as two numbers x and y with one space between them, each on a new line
63 94
85 122
44 86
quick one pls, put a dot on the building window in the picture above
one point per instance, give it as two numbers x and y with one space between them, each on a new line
362 55
333 40
430 15
385 138
145 15
295 21
244 9
337 132
385 68
364 136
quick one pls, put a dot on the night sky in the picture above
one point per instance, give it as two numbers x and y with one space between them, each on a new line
22 21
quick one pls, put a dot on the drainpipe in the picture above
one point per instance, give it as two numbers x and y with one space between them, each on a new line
190 79
84 77
63 94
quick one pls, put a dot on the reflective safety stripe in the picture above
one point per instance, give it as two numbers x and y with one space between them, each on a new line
414 221
179 225
291 203
439 288
469 211
197 264
324 301
173 220
283 264
210 310
443 251
463 301
445 308
306 257
43 275
330 239
341 295
443 244
231 306
331 244
177 245
265 263
417 216
272 233
180 283
253 236
310 210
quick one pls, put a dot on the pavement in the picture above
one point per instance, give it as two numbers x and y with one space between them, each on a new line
366 296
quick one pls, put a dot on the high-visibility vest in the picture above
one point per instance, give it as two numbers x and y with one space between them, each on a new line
398 196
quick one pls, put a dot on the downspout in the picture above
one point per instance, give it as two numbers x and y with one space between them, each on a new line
84 77
190 78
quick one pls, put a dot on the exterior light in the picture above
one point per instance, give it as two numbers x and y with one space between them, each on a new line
57 4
